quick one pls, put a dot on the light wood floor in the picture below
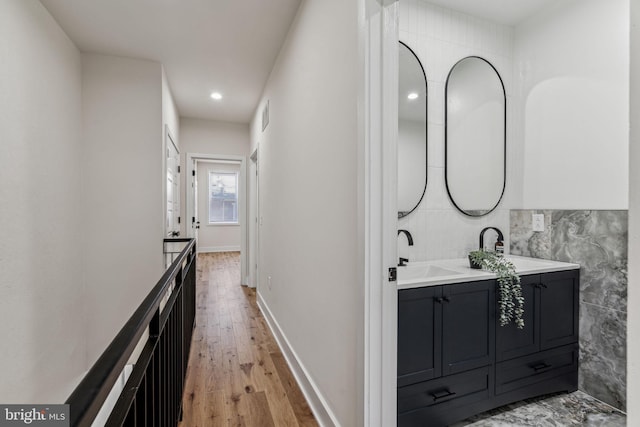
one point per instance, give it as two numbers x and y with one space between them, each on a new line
236 375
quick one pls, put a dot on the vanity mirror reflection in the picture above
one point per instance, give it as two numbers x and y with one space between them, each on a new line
412 131
475 136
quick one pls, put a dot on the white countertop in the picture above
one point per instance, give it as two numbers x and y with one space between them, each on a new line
444 272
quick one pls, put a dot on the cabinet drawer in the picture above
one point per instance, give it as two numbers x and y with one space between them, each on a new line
534 368
463 388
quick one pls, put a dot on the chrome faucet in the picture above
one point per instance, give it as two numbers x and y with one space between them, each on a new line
498 242
403 261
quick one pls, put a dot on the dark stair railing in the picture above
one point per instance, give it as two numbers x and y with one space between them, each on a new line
152 395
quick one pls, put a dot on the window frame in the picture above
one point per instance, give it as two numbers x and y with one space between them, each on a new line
211 174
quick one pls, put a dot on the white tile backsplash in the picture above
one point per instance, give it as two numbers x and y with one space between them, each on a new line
435 157
440 37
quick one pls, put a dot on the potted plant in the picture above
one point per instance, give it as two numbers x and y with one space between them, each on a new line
511 301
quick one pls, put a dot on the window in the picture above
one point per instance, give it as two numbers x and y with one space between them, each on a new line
223 197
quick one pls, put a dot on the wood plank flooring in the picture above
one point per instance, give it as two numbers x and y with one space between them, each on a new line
236 375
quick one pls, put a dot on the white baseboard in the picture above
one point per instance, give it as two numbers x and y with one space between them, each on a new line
207 249
318 404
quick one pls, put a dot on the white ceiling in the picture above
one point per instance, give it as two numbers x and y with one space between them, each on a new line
228 46
509 12
215 45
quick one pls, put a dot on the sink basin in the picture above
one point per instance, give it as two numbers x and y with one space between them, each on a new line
412 272
457 270
526 264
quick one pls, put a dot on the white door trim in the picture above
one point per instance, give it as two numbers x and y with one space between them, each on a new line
253 240
168 139
379 169
242 202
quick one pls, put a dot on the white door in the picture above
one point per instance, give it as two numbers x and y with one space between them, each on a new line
172 228
253 221
195 221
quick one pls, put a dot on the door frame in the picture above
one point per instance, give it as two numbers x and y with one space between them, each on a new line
378 95
242 200
169 139
253 239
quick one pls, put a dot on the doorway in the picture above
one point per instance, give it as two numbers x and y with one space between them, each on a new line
254 218
172 190
216 204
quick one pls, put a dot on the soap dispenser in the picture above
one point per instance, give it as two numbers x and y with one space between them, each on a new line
499 247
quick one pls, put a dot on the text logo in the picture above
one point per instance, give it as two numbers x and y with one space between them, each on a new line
34 415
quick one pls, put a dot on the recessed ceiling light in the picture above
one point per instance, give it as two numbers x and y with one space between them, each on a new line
412 96
216 95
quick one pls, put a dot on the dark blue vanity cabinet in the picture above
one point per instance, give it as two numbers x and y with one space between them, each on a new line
455 360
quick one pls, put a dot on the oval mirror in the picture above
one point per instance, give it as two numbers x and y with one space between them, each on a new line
412 131
475 136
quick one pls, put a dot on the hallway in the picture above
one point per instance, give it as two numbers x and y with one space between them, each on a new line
236 375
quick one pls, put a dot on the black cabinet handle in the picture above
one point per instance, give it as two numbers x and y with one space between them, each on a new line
446 299
437 395
439 300
540 366
540 285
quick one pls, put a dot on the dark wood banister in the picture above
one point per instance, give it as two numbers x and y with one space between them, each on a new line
89 396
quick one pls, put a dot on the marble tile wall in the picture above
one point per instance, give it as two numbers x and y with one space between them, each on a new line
597 240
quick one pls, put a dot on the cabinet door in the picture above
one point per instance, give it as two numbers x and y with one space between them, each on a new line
468 326
513 342
419 334
559 308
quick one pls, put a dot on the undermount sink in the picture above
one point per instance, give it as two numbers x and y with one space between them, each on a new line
448 271
411 272
524 264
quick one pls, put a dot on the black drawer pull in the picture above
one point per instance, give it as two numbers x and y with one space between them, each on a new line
439 300
437 395
540 366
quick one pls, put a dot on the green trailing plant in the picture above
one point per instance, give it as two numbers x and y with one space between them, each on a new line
511 301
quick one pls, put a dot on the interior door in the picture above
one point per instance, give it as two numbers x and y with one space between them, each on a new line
253 221
172 228
195 222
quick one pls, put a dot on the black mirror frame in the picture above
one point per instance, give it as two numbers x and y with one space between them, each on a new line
402 214
446 140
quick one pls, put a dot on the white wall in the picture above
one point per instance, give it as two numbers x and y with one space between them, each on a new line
170 125
212 137
633 287
441 37
43 317
214 237
209 137
573 83
122 191
170 116
308 200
